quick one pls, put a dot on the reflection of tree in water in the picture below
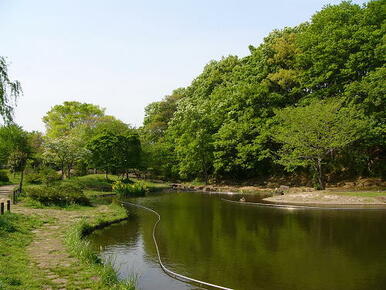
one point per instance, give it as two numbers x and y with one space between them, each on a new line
124 233
241 246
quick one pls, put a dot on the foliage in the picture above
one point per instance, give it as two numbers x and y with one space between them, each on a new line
45 175
310 134
115 153
64 152
9 92
61 119
127 190
4 176
92 182
220 125
15 149
63 194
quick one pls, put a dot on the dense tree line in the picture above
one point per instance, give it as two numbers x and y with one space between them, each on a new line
79 139
309 99
310 96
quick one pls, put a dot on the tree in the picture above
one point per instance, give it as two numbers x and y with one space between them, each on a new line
9 92
110 151
64 152
61 119
309 134
15 148
128 152
220 124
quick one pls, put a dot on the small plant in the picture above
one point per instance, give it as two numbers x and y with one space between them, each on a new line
138 188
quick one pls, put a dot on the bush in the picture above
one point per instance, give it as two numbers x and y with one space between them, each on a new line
33 178
62 195
136 189
44 176
3 176
92 182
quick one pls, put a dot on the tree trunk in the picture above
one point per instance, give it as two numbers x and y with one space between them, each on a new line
320 174
21 181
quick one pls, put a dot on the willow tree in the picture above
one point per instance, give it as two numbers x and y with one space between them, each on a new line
310 134
9 92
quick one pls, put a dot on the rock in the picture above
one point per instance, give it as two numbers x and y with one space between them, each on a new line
284 187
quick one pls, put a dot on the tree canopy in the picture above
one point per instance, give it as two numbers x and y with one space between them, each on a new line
220 125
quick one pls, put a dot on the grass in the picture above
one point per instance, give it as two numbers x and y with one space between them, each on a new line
31 203
80 248
15 270
96 184
153 186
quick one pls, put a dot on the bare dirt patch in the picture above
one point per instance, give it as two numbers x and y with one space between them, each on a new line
328 197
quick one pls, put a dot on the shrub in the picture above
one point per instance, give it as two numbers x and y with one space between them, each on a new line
62 195
135 189
3 176
91 182
45 175
33 178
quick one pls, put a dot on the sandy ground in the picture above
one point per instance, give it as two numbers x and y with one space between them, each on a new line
327 197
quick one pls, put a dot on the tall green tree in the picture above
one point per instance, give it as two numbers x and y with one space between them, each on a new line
115 153
61 119
15 149
310 134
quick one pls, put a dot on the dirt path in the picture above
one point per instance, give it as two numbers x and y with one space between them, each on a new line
48 251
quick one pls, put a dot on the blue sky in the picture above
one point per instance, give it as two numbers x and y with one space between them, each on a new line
123 55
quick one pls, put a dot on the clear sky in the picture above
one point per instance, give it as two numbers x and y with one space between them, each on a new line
123 55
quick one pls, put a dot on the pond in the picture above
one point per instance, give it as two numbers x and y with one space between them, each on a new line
247 247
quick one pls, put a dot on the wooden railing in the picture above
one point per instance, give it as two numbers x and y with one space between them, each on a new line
2 206
16 191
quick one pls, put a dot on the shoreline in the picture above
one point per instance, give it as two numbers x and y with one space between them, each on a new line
331 197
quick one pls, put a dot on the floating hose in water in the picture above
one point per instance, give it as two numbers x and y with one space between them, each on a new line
166 270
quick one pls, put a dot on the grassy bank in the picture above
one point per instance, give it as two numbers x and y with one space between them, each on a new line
15 235
80 248
44 248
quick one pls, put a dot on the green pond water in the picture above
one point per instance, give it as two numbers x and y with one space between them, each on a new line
247 247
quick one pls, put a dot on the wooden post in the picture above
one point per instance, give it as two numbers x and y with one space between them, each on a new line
2 208
14 196
8 205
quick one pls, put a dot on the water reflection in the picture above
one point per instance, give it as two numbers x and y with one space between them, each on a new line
246 247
